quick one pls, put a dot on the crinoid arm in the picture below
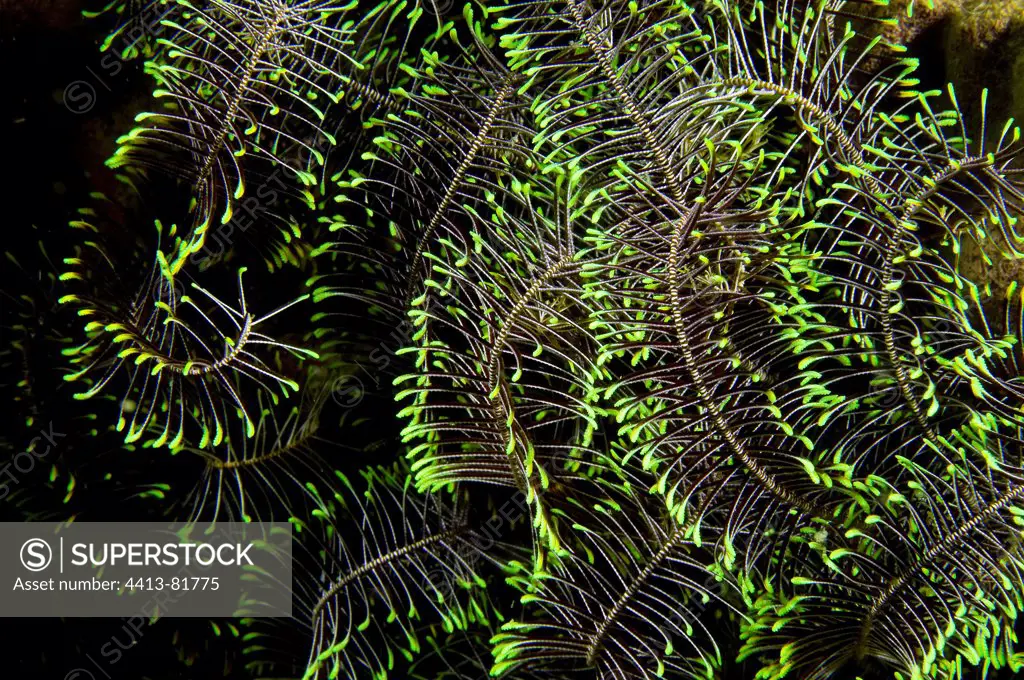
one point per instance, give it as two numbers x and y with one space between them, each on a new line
386 560
188 361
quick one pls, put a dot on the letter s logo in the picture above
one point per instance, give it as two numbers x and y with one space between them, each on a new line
36 554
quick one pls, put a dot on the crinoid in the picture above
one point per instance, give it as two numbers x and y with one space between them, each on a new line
621 340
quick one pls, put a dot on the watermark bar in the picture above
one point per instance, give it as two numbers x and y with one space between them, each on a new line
150 569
